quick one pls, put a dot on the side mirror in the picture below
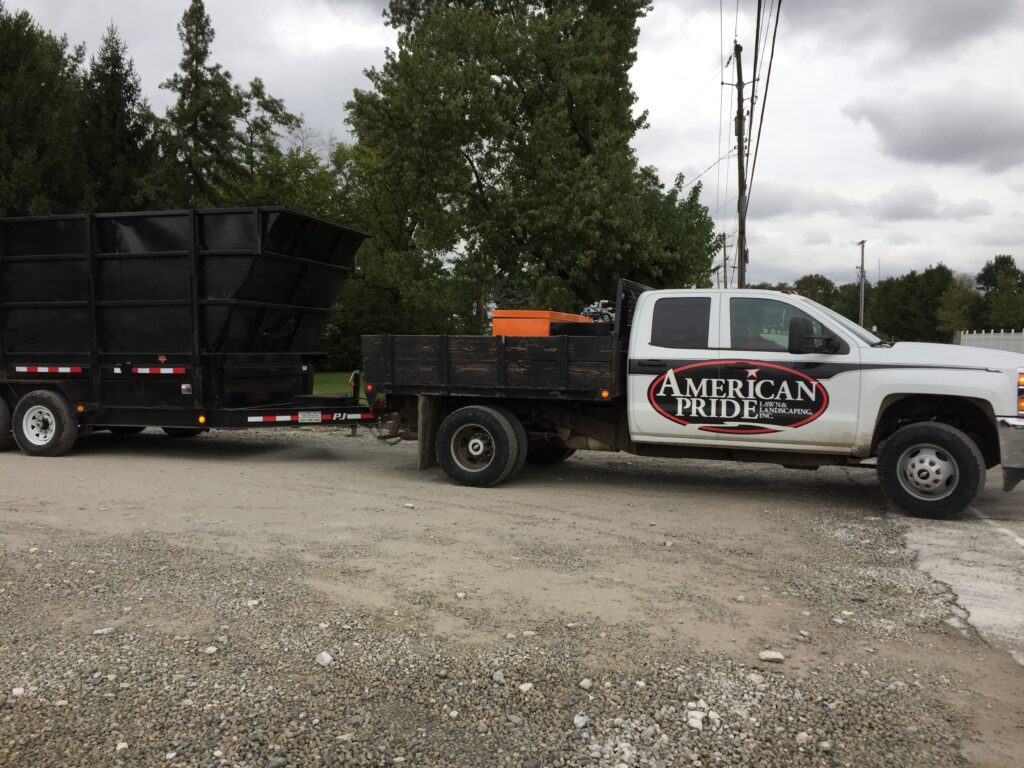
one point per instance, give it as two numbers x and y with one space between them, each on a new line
799 336
802 340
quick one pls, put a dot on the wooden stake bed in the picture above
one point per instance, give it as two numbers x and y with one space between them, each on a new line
546 367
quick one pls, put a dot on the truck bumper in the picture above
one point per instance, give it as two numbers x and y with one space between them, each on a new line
1011 450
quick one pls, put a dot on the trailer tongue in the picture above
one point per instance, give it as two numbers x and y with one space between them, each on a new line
186 320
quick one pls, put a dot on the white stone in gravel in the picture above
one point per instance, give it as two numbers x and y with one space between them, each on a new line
640 684
825 746
580 721
60 703
121 746
222 639
772 656
755 678
324 659
170 755
17 692
323 625
526 687
695 714
838 621
460 595
804 633
802 738
586 683
528 633
210 650
498 677
33 550
847 613
409 506
714 717
252 602
218 753
696 723
510 635
741 599
453 714
104 631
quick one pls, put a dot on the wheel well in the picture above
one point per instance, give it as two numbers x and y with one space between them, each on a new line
973 417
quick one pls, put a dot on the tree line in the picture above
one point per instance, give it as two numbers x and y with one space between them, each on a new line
932 305
490 160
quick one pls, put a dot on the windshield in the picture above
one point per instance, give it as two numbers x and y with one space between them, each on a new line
862 334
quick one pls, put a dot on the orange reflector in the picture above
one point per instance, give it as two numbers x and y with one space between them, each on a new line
1020 405
369 387
80 408
1020 379
202 419
605 394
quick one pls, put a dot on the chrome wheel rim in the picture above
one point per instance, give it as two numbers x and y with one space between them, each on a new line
928 472
39 425
472 448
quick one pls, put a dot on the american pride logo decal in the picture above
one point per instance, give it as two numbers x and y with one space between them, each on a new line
738 397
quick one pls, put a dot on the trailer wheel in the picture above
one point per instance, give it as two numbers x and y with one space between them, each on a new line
477 446
546 454
6 438
182 431
126 431
521 439
44 424
931 469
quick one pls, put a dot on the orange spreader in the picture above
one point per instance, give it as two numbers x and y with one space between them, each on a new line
530 322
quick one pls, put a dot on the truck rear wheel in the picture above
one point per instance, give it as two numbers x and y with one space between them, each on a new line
521 440
477 446
546 454
5 426
931 469
44 424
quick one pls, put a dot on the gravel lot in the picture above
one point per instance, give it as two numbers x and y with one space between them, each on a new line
292 598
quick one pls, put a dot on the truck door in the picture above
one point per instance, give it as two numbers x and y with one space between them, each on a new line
673 355
803 401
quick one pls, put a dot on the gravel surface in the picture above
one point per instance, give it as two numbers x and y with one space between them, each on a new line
293 598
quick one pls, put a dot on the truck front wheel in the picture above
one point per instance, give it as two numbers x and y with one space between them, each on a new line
44 424
477 446
930 469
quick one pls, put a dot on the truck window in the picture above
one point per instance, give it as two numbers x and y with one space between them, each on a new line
763 324
681 322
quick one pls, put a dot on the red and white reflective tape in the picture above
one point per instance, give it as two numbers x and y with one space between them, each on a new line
47 369
163 371
294 418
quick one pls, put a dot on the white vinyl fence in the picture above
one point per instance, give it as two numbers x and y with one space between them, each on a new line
1010 341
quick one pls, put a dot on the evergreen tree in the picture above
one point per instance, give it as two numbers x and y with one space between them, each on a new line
199 138
40 82
116 130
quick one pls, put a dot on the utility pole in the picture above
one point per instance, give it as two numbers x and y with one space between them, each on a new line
863 276
741 201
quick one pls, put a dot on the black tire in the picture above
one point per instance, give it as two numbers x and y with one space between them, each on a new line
6 438
521 439
44 424
477 446
931 469
546 454
183 431
126 431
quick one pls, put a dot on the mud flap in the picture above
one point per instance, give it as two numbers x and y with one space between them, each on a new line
428 419
1012 476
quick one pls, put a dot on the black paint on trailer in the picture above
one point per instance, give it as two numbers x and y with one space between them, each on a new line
163 318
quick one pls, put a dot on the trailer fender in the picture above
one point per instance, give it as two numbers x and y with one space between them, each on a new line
5 426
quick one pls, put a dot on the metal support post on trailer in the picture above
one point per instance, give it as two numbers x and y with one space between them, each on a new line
428 419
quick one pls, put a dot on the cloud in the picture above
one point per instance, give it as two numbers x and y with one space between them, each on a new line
959 126
770 199
920 202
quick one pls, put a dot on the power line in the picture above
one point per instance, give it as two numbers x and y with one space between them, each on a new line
764 100
714 164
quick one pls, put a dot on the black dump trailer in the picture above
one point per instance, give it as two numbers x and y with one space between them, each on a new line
185 320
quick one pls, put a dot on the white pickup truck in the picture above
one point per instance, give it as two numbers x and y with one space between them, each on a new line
744 375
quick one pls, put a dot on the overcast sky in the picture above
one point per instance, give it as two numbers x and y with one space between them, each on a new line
900 123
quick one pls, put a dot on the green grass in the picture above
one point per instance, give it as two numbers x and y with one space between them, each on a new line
331 383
